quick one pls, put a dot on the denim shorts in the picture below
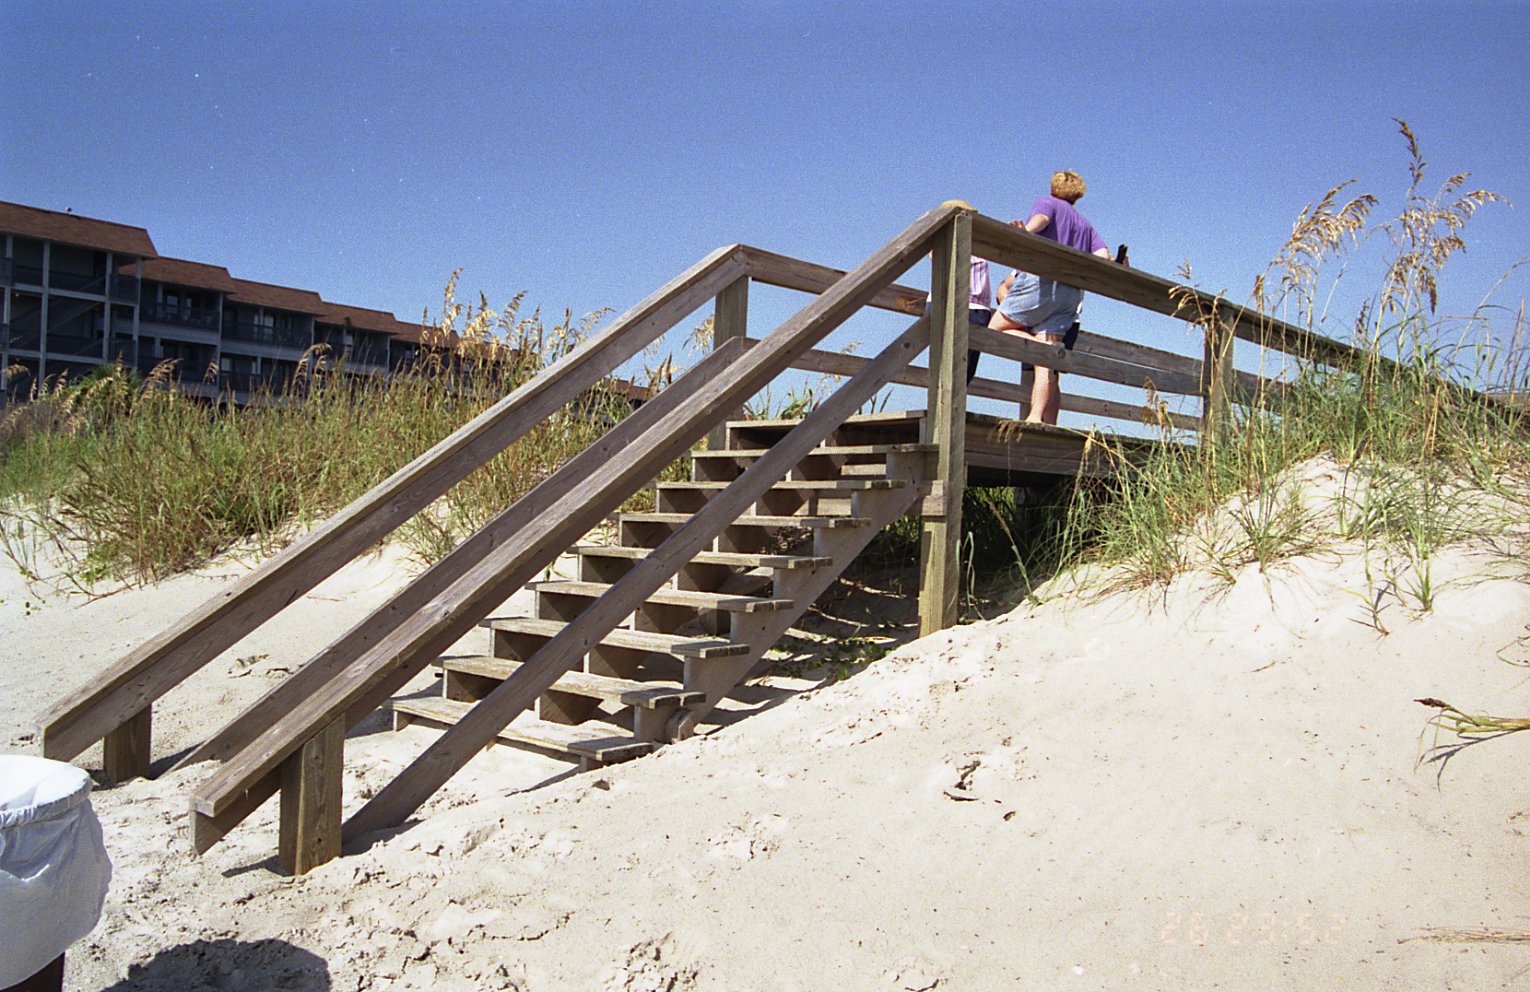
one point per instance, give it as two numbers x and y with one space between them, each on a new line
1044 306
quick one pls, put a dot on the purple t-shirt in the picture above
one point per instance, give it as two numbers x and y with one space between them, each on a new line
1068 227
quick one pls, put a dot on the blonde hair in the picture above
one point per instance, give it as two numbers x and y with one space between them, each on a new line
1067 185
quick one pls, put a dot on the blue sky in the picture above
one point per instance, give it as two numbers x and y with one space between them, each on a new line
586 152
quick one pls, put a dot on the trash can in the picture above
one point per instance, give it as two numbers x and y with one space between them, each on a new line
53 867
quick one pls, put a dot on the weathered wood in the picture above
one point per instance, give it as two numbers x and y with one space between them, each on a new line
809 277
490 581
689 598
126 749
730 319
679 645
309 827
1057 357
624 692
557 512
166 659
444 757
367 633
1091 343
560 739
945 425
1218 381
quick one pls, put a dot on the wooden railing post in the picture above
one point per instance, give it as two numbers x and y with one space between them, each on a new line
730 319
308 831
1218 378
125 750
945 425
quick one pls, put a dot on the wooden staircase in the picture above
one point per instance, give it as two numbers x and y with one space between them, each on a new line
651 679
653 631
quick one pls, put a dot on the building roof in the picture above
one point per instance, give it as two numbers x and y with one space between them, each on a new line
180 272
359 318
70 229
264 294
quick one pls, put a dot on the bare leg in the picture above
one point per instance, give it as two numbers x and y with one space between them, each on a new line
1045 395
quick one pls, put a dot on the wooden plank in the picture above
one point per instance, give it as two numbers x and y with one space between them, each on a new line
794 485
730 319
624 692
689 598
126 749
166 659
679 645
827 450
1021 349
809 277
751 520
309 827
573 740
945 426
442 759
728 559
366 634
1090 343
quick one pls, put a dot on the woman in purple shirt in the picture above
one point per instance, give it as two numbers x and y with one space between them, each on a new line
1041 308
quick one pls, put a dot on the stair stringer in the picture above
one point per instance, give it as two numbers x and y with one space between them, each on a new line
717 678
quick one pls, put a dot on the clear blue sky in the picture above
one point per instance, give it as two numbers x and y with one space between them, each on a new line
586 152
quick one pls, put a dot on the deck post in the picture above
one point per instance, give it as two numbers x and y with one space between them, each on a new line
1217 376
945 425
730 319
125 748
308 833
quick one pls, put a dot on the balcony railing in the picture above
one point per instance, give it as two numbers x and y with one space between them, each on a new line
25 334
78 283
70 344
165 313
26 275
277 337
125 288
5 272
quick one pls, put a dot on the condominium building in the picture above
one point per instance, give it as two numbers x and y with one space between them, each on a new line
80 293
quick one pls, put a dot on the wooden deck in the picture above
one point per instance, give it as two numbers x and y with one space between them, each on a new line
999 452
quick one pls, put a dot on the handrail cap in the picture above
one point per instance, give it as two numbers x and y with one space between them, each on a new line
959 205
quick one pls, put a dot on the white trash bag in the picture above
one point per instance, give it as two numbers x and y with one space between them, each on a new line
53 865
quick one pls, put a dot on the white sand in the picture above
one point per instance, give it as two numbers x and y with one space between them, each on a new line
1204 788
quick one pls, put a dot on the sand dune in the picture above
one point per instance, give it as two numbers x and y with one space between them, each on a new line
1209 786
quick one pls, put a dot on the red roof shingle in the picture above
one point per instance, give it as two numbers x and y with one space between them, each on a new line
180 272
70 229
358 318
264 294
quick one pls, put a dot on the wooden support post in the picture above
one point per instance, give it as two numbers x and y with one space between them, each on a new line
309 832
125 749
730 319
945 425
1218 379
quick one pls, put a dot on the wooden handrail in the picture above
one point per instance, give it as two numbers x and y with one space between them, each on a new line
809 277
130 687
996 240
571 507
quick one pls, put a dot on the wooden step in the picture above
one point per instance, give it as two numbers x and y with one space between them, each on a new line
672 597
678 645
827 450
574 740
730 559
796 485
625 692
751 520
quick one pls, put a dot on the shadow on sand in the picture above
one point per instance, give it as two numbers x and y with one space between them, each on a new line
228 966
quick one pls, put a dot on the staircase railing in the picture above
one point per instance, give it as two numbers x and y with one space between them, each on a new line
298 733
115 707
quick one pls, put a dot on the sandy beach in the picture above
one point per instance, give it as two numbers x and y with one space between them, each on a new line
1210 786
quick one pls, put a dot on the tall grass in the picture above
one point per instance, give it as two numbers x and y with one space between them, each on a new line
133 480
